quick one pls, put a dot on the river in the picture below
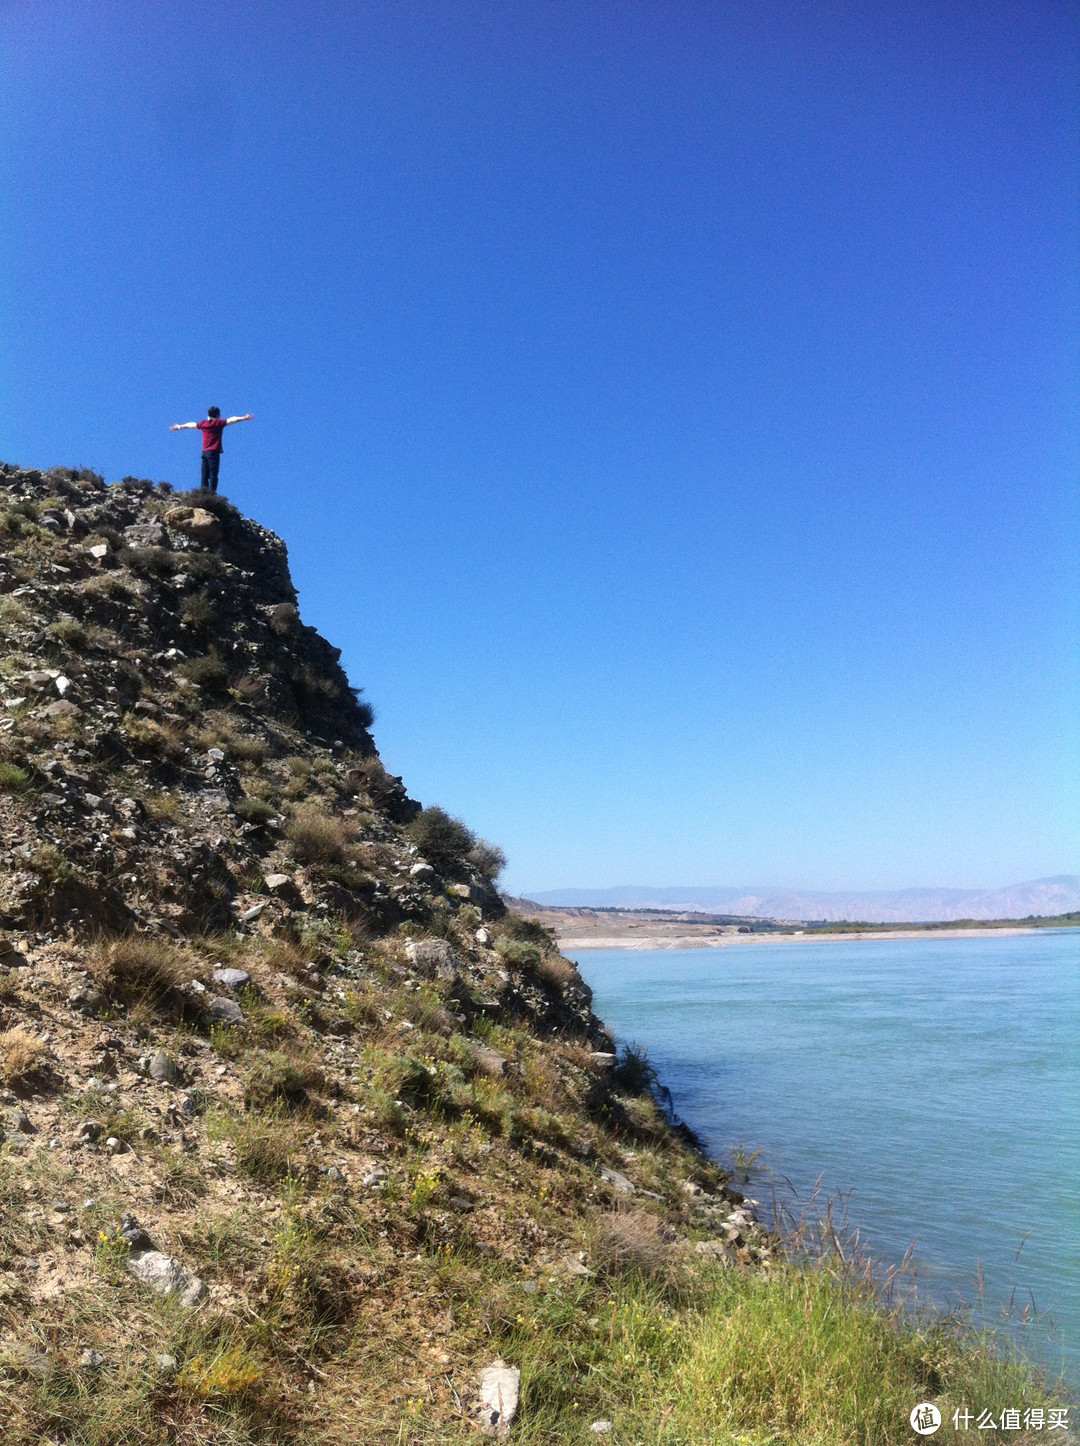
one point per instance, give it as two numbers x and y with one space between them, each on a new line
936 1080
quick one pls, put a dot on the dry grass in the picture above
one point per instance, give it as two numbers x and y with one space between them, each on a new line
633 1242
146 735
317 838
553 969
141 967
22 1056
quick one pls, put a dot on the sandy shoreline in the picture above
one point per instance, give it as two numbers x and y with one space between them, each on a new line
570 943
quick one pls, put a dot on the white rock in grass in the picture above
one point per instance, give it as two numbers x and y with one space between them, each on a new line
232 978
165 1275
601 1428
500 1386
617 1179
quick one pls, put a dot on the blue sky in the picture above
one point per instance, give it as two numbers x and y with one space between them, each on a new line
671 408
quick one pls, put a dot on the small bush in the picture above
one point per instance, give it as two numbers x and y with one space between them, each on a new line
247 748
444 841
635 1072
224 1377
254 810
316 838
282 1079
141 966
22 1056
110 587
265 1148
163 740
285 620
52 864
163 807
520 955
13 779
209 673
198 612
203 566
553 969
488 858
631 1243
70 633
286 956
148 561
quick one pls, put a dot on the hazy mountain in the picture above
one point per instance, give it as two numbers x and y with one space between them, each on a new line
1058 895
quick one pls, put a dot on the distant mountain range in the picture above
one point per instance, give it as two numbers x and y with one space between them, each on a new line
1059 895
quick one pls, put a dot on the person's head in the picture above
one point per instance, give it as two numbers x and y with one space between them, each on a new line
213 411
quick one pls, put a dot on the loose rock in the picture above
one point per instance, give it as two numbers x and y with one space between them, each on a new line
225 1011
619 1181
232 978
500 1385
166 1276
164 1069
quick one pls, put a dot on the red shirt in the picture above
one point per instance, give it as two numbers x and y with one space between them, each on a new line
211 431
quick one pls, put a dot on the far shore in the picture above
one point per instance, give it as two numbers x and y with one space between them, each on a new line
569 943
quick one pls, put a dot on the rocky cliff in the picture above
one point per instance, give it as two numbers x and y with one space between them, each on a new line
299 1120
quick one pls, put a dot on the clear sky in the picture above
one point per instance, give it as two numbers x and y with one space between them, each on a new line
671 408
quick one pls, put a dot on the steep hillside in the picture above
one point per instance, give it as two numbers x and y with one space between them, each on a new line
306 1137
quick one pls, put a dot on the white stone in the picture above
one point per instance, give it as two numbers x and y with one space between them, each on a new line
163 1274
601 1428
500 1386
617 1179
232 978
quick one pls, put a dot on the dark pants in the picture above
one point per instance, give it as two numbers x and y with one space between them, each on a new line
211 461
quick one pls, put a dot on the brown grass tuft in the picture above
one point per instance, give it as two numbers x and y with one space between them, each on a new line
553 969
631 1244
140 966
22 1056
317 838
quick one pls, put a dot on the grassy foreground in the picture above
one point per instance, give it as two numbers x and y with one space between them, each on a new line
801 1352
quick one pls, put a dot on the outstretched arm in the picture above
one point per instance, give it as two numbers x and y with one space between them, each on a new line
230 420
184 427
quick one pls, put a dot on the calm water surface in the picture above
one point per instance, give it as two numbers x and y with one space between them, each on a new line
936 1079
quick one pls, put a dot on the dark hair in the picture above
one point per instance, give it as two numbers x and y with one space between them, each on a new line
213 411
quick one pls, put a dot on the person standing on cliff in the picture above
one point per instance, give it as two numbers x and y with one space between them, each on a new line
211 431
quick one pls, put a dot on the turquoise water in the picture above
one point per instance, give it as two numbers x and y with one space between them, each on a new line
938 1080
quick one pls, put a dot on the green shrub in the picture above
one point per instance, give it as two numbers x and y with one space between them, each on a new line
52 864
634 1071
282 1079
254 810
208 673
70 632
203 566
444 841
13 779
198 612
519 954
149 561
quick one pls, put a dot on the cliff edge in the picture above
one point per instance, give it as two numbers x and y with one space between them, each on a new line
303 1130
